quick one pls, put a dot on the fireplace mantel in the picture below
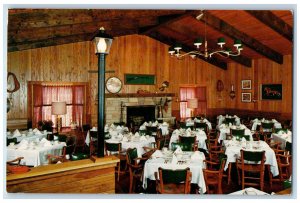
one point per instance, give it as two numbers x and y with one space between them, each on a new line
129 95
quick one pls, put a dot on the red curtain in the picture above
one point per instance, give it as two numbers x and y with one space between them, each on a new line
185 94
189 93
45 95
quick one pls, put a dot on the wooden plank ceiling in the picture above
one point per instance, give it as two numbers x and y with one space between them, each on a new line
264 33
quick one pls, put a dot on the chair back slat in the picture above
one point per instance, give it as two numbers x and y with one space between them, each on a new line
113 147
189 140
288 147
265 125
230 120
173 176
132 154
237 132
253 156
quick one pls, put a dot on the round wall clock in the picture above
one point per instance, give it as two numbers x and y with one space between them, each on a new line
113 85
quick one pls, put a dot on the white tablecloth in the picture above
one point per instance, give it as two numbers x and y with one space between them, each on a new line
283 138
200 137
249 191
29 136
226 130
196 166
256 122
134 143
190 122
163 126
34 157
221 118
232 150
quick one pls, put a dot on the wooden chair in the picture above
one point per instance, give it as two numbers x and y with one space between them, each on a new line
12 163
152 130
202 126
249 164
213 175
238 133
158 145
229 120
135 166
170 181
189 140
93 142
116 150
284 162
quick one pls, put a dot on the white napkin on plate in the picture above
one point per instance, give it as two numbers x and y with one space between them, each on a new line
142 127
43 140
37 132
137 134
174 160
23 144
176 131
94 129
244 139
143 138
165 123
47 144
188 130
196 155
178 150
145 124
222 126
188 134
119 127
157 154
17 133
125 139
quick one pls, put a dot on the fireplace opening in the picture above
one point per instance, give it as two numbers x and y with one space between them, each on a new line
137 115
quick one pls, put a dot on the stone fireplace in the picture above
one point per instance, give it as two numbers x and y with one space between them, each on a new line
146 105
137 115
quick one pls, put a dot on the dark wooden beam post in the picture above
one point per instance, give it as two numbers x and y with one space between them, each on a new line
274 22
232 32
170 41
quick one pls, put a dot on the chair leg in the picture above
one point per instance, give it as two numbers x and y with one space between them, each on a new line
131 181
229 174
243 180
119 164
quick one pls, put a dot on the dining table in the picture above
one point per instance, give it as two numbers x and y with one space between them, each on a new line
133 141
191 122
225 129
163 126
221 119
233 148
255 122
29 135
201 136
283 137
165 160
34 152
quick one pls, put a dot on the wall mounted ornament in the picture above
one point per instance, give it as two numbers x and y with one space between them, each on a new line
13 85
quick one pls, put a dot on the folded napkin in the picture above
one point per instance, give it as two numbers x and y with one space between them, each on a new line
142 127
112 125
188 134
145 124
157 154
188 130
120 136
274 120
165 124
244 140
188 120
196 155
178 150
47 144
113 133
125 139
17 133
43 140
143 138
176 131
23 144
119 127
37 132
174 160
136 134
156 123
222 126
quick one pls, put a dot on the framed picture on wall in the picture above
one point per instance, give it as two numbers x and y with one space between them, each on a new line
139 79
246 97
246 84
271 91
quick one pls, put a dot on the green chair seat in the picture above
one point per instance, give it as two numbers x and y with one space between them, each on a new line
79 156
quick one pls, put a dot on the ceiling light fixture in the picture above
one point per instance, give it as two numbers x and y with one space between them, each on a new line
224 52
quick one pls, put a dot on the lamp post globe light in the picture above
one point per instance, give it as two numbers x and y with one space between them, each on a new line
103 43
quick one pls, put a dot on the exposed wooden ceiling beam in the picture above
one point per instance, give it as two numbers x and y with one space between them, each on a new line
274 22
165 20
38 34
170 41
62 40
38 18
252 43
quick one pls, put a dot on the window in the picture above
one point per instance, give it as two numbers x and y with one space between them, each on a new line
189 93
43 94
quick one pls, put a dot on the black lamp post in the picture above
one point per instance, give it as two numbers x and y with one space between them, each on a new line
103 43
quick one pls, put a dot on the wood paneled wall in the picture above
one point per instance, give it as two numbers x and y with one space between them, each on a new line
143 55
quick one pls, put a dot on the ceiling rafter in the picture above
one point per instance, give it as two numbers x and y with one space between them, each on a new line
185 48
274 22
232 32
165 20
